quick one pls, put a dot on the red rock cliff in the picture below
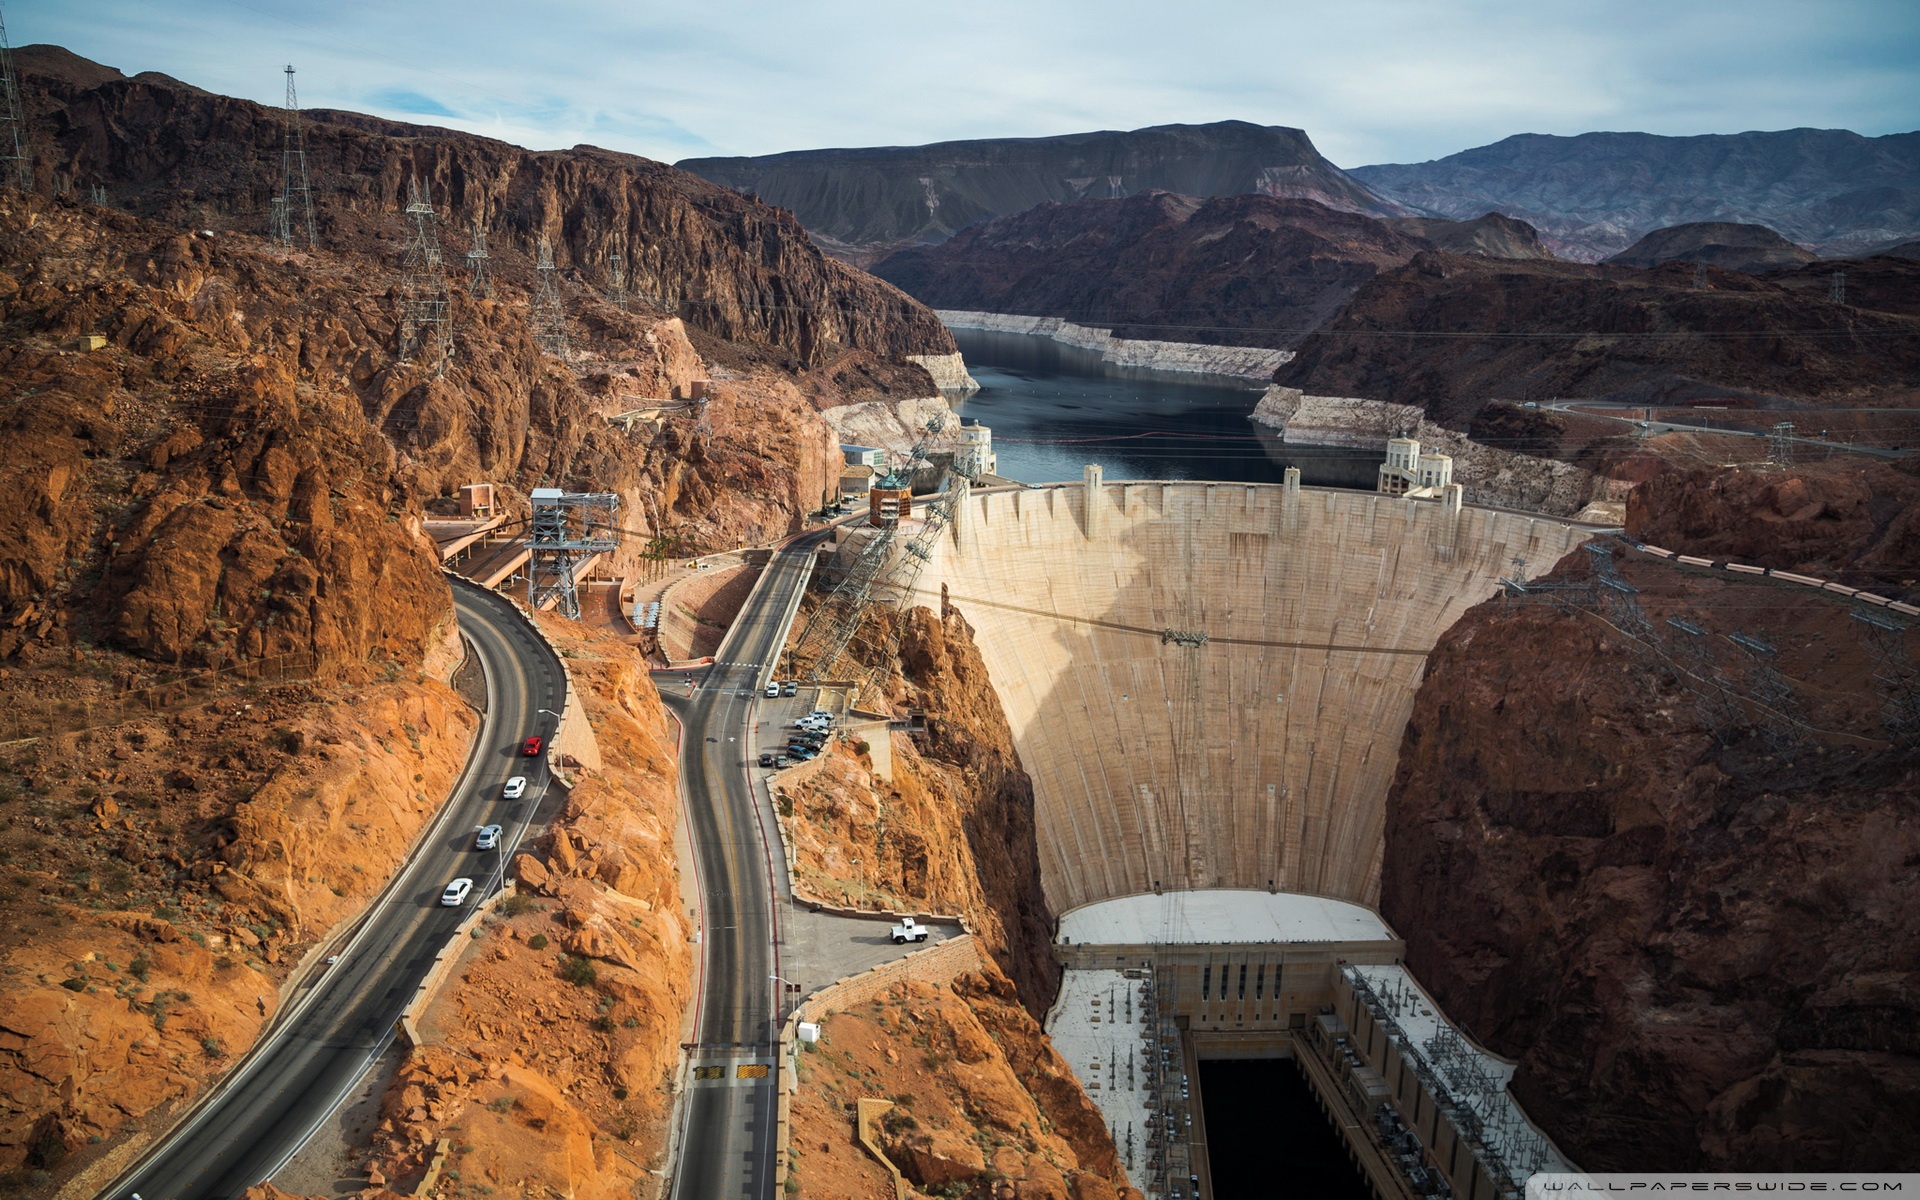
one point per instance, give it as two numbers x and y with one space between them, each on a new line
1701 950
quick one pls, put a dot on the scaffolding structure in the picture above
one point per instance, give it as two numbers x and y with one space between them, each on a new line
549 317
568 529
425 307
296 188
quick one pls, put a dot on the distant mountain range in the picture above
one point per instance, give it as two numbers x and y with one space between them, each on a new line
1833 191
1232 270
1591 196
859 204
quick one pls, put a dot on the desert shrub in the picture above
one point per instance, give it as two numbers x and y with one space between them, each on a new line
579 972
537 942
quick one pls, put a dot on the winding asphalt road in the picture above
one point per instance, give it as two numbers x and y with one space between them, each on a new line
342 1020
727 1138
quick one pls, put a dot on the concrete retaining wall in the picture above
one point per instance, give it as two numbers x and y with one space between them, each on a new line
1242 362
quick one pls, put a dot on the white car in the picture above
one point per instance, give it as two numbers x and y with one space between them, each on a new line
773 691
456 893
487 837
516 788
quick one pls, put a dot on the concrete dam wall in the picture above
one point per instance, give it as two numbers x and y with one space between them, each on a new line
1259 757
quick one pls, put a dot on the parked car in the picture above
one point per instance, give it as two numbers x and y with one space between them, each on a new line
531 747
781 762
487 837
766 760
790 688
773 690
908 930
516 788
456 893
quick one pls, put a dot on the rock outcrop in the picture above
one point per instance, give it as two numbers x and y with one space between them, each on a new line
983 1106
1487 474
1596 193
548 1058
862 203
1858 523
1236 270
1494 235
1726 244
741 270
1561 329
952 829
1698 940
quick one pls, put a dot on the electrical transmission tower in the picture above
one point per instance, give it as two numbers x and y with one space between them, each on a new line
425 307
1837 290
296 189
568 529
16 164
1895 671
1618 599
876 571
1780 444
1699 276
549 318
617 282
479 284
1770 689
1713 696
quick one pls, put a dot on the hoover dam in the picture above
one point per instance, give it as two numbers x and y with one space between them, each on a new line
1208 684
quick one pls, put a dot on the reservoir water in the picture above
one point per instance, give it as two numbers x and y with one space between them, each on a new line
1054 408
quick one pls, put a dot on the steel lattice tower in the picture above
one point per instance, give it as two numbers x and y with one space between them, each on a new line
296 189
425 307
617 282
16 164
479 284
1895 671
1780 444
549 318
568 529
1837 290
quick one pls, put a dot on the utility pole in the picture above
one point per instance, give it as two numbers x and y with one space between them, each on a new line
16 164
295 200
425 307
1837 290
549 318
478 283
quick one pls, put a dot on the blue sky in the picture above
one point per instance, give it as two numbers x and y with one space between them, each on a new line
1369 80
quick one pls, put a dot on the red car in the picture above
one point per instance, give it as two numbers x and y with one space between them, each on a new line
531 747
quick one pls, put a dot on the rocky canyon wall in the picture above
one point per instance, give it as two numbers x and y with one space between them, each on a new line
1694 928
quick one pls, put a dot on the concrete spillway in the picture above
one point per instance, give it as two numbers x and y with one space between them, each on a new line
1261 757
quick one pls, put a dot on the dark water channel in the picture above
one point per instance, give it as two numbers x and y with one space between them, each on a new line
1054 408
1266 1137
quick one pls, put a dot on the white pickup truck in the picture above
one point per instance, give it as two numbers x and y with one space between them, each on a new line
908 931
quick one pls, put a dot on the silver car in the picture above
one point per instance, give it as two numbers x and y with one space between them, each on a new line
487 837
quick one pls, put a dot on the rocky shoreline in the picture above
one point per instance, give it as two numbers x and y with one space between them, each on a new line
1255 363
1489 476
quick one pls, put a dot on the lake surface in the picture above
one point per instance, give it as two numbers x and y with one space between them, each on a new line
1055 408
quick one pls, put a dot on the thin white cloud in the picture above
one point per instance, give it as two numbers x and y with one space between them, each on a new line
1370 80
